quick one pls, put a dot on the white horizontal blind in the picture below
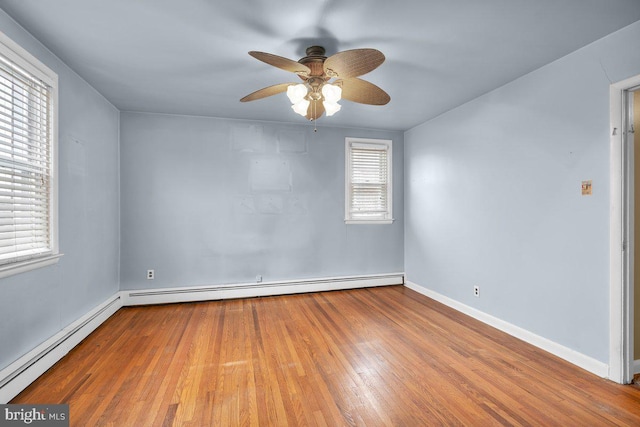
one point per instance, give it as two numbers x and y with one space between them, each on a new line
369 181
25 164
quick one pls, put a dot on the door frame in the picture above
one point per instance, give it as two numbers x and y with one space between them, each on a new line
620 236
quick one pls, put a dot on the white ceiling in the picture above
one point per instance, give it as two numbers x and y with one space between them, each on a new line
190 56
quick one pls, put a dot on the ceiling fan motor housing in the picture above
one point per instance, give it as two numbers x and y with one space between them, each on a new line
314 60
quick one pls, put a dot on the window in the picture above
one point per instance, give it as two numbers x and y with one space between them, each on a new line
28 101
368 181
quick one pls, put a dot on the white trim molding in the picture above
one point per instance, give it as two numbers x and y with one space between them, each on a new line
249 290
620 266
18 375
585 362
7 270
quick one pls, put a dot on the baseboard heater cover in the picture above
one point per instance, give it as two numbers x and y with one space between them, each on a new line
247 290
18 375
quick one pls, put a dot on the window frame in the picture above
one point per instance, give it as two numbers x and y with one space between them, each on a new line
350 142
29 63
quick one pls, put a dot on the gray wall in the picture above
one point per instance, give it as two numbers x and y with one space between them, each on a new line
37 304
214 201
493 198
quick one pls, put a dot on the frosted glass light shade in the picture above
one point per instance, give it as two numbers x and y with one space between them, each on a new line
296 93
301 107
330 108
331 93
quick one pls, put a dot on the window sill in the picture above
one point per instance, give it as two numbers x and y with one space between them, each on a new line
368 221
28 265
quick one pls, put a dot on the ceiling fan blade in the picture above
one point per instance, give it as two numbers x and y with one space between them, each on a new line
267 91
353 63
282 63
363 92
316 109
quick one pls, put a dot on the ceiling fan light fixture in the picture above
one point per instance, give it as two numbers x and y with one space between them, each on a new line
342 69
296 93
301 107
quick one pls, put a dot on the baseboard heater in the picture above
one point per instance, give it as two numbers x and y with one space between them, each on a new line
247 290
37 361
22 372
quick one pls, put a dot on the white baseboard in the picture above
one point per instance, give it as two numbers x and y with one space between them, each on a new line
249 290
585 362
18 375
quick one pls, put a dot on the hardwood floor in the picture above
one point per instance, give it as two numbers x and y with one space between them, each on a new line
370 357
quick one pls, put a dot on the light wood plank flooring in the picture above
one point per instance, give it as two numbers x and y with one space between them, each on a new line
368 357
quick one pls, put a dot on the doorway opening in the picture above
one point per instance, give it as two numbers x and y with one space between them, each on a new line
633 140
624 226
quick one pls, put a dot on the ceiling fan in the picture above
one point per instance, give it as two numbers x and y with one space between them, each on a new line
325 80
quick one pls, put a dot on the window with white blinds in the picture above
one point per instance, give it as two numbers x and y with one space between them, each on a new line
368 186
27 101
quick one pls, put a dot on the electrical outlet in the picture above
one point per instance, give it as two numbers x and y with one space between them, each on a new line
476 291
151 274
258 278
